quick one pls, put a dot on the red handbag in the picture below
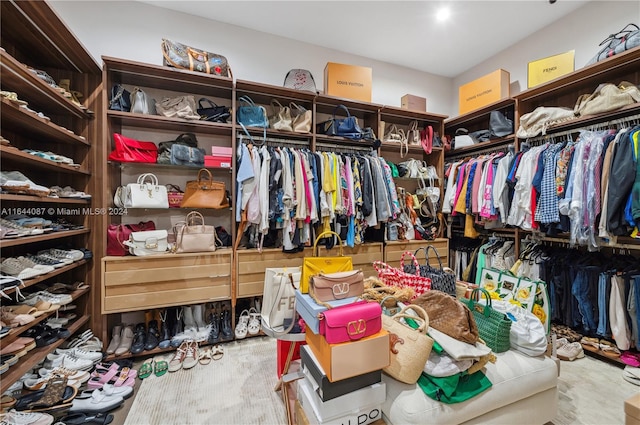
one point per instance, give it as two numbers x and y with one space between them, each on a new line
392 276
118 233
131 150
426 139
351 322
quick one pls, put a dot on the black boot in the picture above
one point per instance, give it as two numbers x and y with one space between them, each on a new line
153 336
214 321
139 339
165 335
227 332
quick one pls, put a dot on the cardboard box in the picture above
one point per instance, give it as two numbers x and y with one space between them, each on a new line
359 407
348 81
413 103
349 359
309 309
222 151
632 410
547 69
483 91
327 390
217 161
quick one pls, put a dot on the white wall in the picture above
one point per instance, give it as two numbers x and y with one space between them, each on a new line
133 31
582 31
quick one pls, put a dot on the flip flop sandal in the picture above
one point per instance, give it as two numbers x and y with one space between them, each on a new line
161 367
217 353
205 357
80 418
126 378
253 326
591 344
630 358
609 349
7 402
56 394
99 379
146 369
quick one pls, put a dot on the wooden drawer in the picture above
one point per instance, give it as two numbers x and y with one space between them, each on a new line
362 256
250 265
393 251
142 283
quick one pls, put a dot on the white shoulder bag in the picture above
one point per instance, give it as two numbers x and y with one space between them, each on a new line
145 193
150 242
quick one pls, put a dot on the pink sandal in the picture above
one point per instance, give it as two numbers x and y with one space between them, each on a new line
127 378
102 376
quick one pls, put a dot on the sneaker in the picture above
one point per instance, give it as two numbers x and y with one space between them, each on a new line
94 356
175 364
21 230
72 375
45 261
192 355
28 263
13 267
59 299
68 361
64 261
14 417
63 254
570 351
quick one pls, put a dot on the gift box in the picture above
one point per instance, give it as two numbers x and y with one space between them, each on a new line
328 390
358 407
309 310
349 359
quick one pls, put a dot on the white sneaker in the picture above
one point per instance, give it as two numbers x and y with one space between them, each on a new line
60 299
68 361
94 356
22 418
75 375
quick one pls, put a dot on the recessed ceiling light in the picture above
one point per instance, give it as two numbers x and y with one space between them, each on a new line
443 14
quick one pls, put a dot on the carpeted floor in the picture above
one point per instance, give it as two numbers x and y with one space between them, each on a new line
237 389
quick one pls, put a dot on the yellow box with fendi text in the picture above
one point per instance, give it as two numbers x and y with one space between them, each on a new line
483 91
542 70
348 81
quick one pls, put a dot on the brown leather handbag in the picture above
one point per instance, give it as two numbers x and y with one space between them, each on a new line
337 286
205 193
449 316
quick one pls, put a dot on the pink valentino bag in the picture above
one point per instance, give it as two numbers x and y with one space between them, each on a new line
351 322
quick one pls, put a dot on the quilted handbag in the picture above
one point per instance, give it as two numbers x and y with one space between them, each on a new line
210 111
120 99
337 286
181 56
617 43
251 115
280 118
410 348
145 193
346 127
132 150
117 234
494 327
187 156
142 103
301 118
149 242
205 193
194 235
440 279
392 276
350 322
312 266
449 316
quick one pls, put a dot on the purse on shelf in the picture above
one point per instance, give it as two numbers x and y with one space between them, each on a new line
174 195
300 79
210 111
499 125
345 127
149 242
251 115
145 193
426 139
337 286
178 107
120 99
449 316
181 56
301 118
194 235
142 103
280 118
410 348
396 135
164 148
627 38
132 150
205 192
187 156
312 266
350 322
413 134
440 279
117 234
494 327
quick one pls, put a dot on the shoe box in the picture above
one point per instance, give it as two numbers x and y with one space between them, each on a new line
220 157
328 390
631 410
309 310
361 407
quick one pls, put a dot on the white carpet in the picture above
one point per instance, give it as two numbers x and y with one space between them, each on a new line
238 389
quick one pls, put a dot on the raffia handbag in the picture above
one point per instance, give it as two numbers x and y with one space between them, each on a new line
397 277
410 348
315 265
494 327
449 316
205 193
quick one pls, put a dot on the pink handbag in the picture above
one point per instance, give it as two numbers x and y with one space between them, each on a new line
351 322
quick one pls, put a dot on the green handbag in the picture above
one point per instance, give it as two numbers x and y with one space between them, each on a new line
493 326
394 169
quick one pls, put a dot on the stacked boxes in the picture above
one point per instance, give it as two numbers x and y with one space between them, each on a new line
220 157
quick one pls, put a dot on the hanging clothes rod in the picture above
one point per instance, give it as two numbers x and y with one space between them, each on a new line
330 147
475 153
274 141
630 120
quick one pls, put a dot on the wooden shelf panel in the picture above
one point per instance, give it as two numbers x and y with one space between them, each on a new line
482 113
43 277
494 144
157 350
30 198
166 166
257 132
4 243
326 104
16 155
588 120
343 142
395 147
14 117
158 122
35 356
270 91
409 115
16 77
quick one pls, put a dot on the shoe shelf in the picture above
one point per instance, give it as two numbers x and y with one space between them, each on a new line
17 118
601 356
16 155
138 165
15 332
158 122
31 198
43 277
35 356
18 78
4 243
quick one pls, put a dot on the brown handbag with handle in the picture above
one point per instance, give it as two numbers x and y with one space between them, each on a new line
448 315
205 193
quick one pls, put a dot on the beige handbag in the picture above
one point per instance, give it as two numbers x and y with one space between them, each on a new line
607 97
280 117
178 107
413 134
301 118
395 135
194 235
337 286
410 348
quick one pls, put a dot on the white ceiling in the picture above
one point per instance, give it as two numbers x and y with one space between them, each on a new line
404 33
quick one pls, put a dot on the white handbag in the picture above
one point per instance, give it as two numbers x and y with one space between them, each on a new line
278 301
150 242
145 193
413 135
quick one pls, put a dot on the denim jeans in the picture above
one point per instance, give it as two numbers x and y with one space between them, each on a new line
633 312
604 292
580 290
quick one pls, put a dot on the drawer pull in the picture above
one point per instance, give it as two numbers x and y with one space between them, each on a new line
218 275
